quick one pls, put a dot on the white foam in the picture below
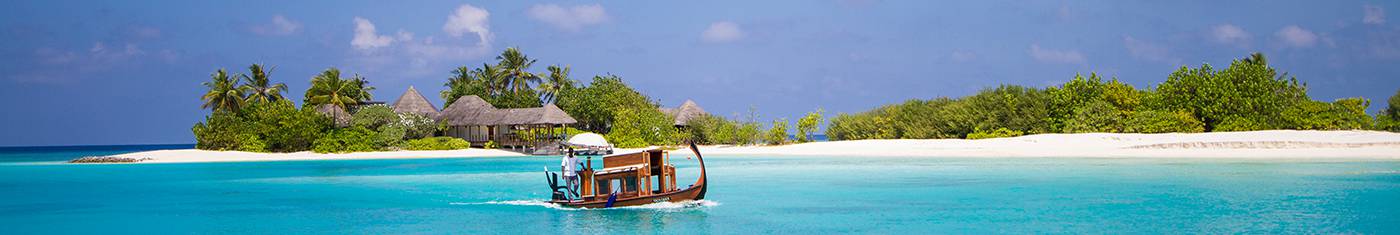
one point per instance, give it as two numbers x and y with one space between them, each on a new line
660 206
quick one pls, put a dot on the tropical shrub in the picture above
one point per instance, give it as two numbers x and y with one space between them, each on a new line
343 140
777 134
283 127
1094 117
225 130
597 105
808 125
1153 121
1247 95
641 127
437 143
1389 117
998 133
1343 114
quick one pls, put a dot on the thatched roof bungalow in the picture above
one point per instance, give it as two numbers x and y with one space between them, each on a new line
684 113
413 102
338 115
473 119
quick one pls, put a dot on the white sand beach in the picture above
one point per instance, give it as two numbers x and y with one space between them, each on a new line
1279 144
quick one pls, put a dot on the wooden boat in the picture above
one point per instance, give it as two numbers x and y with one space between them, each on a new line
629 179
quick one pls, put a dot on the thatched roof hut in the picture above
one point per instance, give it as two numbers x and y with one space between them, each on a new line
413 102
336 113
474 111
683 114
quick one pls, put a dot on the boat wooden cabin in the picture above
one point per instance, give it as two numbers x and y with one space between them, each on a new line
632 179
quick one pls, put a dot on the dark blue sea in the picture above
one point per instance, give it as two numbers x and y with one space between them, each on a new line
748 195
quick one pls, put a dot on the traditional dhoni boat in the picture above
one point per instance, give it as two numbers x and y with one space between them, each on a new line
628 179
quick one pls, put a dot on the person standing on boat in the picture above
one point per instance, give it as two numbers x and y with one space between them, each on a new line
570 165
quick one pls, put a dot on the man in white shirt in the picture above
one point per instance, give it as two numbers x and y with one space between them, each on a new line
570 165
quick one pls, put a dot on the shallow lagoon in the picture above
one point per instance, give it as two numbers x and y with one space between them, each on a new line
748 194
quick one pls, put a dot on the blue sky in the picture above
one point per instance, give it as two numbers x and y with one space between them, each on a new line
129 72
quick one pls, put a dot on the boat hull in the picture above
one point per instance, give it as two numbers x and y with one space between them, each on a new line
689 194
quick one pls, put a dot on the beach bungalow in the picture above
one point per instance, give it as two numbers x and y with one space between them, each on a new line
413 102
473 119
338 115
684 113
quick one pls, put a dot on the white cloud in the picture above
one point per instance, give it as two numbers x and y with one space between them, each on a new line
1230 34
1148 51
1295 36
469 19
1056 56
406 54
280 25
570 19
723 31
1373 15
366 38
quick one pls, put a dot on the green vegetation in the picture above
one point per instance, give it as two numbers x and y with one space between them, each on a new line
1389 118
1247 95
808 125
998 133
344 140
777 134
436 143
329 88
710 129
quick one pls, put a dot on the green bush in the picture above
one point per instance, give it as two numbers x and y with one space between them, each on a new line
998 133
1152 121
1247 95
225 130
1095 117
1343 114
777 134
490 144
285 128
642 127
437 143
1389 117
808 125
343 140
392 128
1236 123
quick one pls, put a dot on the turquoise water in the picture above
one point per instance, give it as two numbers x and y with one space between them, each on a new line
749 194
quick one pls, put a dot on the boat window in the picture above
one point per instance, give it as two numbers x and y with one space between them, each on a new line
629 184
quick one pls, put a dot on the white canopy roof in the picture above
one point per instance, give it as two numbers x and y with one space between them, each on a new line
588 139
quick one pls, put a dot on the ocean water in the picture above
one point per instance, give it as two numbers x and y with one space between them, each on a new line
748 195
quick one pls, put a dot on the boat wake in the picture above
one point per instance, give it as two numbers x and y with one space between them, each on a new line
660 206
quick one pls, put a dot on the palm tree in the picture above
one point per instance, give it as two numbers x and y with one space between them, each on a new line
224 93
558 81
493 78
514 64
259 88
460 84
329 88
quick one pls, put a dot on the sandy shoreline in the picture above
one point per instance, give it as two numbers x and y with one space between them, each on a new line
1280 144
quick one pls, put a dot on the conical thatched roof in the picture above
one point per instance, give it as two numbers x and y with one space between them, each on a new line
472 110
685 112
337 114
413 102
468 110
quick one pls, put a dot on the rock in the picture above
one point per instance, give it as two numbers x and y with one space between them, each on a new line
107 159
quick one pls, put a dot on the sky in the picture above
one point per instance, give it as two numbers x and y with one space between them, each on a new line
130 72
